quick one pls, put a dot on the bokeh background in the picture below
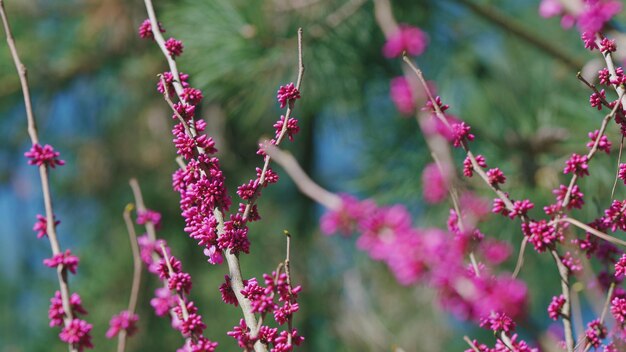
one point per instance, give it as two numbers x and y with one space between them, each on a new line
501 67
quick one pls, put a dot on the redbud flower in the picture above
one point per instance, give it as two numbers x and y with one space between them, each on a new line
228 295
431 107
241 333
577 164
589 38
622 172
614 216
618 309
604 76
499 207
596 14
608 45
192 96
45 155
550 8
498 322
41 226
123 321
542 235
434 184
56 313
576 196
174 47
162 301
168 78
292 127
604 144
571 263
496 176
461 133
410 39
468 168
181 282
401 95
145 29
149 216
595 333
192 325
69 261
620 267
248 190
287 94
521 208
344 220
595 100
556 306
270 176
77 334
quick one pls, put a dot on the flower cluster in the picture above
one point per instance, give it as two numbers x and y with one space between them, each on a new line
409 39
126 321
277 297
45 155
591 18
172 297
77 331
432 256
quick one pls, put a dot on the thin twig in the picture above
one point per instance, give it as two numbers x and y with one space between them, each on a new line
43 172
471 344
283 131
134 292
591 230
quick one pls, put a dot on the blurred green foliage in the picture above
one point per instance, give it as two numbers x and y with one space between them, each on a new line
93 83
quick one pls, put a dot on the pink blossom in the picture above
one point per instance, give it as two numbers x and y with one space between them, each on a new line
77 333
151 216
292 127
468 167
577 164
603 144
498 322
145 29
461 134
345 219
595 100
550 8
434 184
162 301
496 176
596 14
174 47
595 333
407 38
41 226
45 155
620 267
495 252
401 95
287 94
556 307
67 260
125 320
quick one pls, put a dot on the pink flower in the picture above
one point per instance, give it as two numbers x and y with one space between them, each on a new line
496 176
401 95
162 301
292 127
607 45
174 47
542 235
495 252
550 8
596 14
434 184
345 219
123 321
604 144
45 155
410 39
41 226
618 309
145 29
468 168
577 164
77 334
595 333
148 215
620 267
191 96
461 133
56 313
595 100
69 261
498 322
556 307
228 295
287 94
